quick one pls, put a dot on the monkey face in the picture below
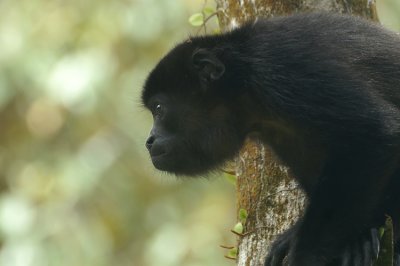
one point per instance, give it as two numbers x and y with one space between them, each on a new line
189 139
194 130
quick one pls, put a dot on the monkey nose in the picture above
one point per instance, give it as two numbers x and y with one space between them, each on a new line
149 142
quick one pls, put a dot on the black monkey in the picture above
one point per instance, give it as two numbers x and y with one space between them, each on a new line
323 91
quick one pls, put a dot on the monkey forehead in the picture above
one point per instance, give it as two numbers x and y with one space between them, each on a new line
154 84
174 74
175 85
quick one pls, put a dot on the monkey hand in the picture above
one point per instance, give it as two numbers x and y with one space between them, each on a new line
361 252
280 248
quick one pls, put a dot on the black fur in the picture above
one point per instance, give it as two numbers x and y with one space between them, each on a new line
323 91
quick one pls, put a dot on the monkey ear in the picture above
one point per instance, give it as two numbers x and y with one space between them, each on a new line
208 66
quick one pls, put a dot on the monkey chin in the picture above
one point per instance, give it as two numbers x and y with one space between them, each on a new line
187 167
160 161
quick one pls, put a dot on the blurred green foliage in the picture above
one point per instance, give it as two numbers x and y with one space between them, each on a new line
77 184
77 187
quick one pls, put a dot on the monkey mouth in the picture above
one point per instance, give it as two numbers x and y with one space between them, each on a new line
157 151
158 157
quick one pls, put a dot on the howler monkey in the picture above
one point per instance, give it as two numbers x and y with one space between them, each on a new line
323 91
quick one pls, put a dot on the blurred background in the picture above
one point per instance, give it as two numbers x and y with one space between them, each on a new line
77 186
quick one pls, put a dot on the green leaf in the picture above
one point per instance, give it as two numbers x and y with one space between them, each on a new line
381 231
230 178
238 228
243 215
216 31
386 252
233 253
208 11
196 20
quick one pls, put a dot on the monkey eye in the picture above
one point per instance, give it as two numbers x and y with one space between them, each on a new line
158 109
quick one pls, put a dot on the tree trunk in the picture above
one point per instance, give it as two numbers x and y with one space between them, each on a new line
265 190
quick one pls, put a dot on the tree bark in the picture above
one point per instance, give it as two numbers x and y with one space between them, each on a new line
265 189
